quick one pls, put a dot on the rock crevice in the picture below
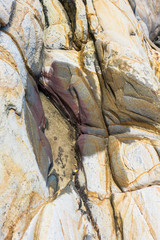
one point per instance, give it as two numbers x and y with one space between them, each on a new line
89 167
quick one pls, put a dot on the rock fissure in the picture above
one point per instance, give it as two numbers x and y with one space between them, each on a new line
78 151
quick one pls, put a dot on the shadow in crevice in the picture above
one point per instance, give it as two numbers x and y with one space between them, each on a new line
70 7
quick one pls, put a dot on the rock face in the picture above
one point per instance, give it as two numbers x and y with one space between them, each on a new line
82 162
5 11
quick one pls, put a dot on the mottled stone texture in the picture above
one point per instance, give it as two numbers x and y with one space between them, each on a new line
6 7
82 159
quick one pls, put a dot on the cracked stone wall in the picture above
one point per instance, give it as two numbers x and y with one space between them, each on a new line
79 119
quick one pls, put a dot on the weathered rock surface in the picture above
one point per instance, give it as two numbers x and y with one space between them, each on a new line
149 12
88 168
59 132
57 220
25 153
5 11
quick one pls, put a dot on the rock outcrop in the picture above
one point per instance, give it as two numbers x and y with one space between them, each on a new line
6 8
82 159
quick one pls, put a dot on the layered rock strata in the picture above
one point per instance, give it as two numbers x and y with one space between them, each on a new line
115 93
25 153
98 62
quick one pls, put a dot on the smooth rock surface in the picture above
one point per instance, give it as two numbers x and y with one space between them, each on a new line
27 33
149 12
57 220
23 185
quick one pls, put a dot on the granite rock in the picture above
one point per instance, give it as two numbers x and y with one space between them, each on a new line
82 162
6 8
